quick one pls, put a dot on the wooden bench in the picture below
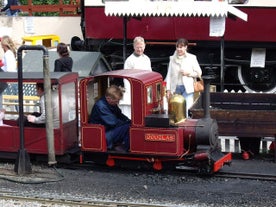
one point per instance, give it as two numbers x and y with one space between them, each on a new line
244 115
29 103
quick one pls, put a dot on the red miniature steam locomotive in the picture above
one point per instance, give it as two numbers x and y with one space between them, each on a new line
155 137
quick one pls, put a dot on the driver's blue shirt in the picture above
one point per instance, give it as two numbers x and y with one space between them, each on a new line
115 122
108 115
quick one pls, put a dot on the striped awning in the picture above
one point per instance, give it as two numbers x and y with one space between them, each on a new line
181 8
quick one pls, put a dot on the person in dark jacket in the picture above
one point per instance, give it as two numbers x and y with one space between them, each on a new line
8 10
107 113
64 63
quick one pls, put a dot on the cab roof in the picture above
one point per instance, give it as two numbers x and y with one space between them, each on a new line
144 76
38 76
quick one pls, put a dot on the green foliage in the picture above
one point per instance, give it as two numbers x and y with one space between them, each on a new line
44 2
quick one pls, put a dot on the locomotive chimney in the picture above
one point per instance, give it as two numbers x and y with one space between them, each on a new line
207 78
207 133
206 95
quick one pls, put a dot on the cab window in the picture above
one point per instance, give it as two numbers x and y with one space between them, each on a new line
149 95
158 91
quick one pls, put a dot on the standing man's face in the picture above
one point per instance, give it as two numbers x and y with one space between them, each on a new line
139 48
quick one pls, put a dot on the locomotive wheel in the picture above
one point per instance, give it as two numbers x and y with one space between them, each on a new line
258 79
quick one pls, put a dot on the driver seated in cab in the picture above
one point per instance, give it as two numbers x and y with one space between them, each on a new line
107 113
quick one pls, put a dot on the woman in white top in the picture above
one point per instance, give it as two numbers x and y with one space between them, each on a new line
9 59
9 63
137 60
182 70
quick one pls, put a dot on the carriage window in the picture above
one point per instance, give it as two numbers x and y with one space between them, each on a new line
149 95
158 91
68 102
11 103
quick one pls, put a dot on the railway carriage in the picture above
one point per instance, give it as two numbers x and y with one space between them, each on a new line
64 91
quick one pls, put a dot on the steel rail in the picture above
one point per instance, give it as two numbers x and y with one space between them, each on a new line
251 176
191 171
76 203
225 174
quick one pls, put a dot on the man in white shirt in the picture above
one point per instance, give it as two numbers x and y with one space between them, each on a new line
137 60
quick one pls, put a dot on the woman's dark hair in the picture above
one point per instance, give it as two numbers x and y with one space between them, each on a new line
62 49
182 42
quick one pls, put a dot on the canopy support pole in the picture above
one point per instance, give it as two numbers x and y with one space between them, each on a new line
125 19
222 64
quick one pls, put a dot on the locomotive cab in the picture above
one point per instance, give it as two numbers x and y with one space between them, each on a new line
153 139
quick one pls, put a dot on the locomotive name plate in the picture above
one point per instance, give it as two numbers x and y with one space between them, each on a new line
160 137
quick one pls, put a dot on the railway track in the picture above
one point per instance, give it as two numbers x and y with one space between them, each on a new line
38 196
243 175
57 174
247 172
222 174
240 175
52 202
